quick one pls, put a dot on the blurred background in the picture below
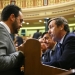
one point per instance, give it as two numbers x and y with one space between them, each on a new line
38 12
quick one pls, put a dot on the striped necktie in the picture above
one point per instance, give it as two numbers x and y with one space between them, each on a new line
58 48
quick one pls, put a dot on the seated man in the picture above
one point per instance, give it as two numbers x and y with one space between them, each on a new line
65 55
47 47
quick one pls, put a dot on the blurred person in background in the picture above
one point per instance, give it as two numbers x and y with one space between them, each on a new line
37 34
18 39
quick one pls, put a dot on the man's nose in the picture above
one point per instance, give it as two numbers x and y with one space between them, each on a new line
20 25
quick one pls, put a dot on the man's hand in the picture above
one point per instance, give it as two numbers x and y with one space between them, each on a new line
20 48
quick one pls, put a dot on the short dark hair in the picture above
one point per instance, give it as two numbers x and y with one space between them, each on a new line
44 34
59 21
8 10
37 30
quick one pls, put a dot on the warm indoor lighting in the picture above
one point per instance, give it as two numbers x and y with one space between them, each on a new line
47 18
23 22
40 20
44 21
12 2
27 23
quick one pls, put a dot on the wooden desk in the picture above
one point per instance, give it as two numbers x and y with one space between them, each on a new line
33 65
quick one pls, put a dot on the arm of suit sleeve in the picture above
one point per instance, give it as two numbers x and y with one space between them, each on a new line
13 60
9 61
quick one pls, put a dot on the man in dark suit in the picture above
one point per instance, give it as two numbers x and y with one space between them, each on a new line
19 40
65 54
10 59
47 47
37 34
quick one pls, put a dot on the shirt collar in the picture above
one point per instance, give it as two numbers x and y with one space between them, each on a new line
54 47
61 41
8 29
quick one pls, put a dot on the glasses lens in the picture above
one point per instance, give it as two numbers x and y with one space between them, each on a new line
21 20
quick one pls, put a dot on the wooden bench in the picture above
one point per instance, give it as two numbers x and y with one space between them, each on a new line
33 65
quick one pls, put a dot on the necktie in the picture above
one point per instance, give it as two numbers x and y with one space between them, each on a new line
58 48
51 54
12 36
46 56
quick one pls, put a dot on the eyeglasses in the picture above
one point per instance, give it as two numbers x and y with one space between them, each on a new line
21 20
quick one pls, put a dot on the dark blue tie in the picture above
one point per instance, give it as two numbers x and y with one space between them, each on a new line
58 48
51 54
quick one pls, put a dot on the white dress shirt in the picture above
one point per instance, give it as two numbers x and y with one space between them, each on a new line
8 29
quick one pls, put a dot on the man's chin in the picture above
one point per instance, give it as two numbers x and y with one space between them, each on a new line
47 47
15 32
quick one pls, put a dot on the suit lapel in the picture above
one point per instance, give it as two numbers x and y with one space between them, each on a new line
62 47
8 34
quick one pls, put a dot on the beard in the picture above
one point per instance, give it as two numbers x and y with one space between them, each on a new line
15 27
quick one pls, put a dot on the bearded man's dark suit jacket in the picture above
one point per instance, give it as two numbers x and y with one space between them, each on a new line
66 58
10 60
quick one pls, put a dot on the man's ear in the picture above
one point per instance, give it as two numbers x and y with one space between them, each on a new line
12 17
62 27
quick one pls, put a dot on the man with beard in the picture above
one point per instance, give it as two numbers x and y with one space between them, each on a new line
10 60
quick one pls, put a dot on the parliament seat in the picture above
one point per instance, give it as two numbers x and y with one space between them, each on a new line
33 65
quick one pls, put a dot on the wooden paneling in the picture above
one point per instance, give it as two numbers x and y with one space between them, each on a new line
45 2
31 3
39 3
23 3
1 4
